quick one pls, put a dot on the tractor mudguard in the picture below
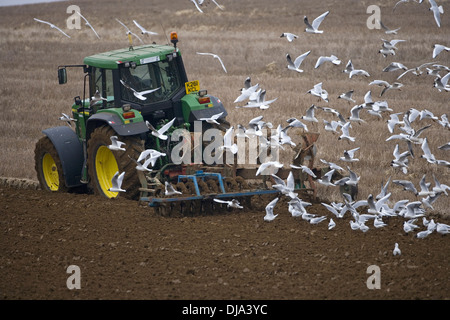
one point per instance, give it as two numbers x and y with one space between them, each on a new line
70 152
129 129
208 112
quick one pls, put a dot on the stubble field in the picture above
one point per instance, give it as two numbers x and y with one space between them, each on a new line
125 251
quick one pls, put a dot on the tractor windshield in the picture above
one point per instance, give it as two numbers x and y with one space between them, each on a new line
149 83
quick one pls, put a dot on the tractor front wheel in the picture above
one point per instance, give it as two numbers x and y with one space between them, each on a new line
48 166
103 163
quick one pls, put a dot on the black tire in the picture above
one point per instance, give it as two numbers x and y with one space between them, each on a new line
100 137
48 166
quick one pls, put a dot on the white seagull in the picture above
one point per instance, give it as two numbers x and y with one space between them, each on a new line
160 133
349 155
271 166
438 48
326 180
212 119
388 30
117 182
396 250
322 59
309 116
197 6
319 92
228 143
437 11
314 27
143 30
387 86
295 65
67 119
149 156
138 94
53 26
289 36
230 203
347 96
260 102
407 186
170 190
345 133
88 24
116 144
214 56
269 210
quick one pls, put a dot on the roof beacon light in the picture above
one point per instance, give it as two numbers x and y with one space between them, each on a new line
174 38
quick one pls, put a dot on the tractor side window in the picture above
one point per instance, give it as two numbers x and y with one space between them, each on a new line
103 82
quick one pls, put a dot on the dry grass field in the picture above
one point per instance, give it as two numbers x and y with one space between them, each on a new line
246 35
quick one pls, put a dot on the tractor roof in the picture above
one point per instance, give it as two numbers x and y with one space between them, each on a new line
140 55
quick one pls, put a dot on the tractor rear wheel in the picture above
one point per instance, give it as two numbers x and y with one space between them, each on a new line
48 166
103 163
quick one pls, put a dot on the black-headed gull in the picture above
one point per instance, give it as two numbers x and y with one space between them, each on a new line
396 251
437 11
246 92
322 59
442 83
228 142
286 188
270 167
309 116
117 182
295 65
160 133
319 92
143 30
358 72
230 203
289 36
345 133
116 145
52 26
347 96
388 30
426 152
387 86
407 185
212 119
67 119
304 169
259 102
88 24
314 26
326 180
349 155
215 56
394 66
138 94
197 6
269 210
438 48
170 190
150 156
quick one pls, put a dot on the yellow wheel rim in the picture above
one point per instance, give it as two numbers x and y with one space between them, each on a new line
50 171
105 169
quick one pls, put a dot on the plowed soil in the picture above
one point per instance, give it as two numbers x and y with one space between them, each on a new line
124 250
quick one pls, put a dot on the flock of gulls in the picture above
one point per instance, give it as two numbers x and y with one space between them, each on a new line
378 207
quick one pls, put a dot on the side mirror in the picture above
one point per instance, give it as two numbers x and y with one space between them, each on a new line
62 75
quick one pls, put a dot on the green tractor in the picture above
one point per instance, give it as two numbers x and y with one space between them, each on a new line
131 92
128 88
